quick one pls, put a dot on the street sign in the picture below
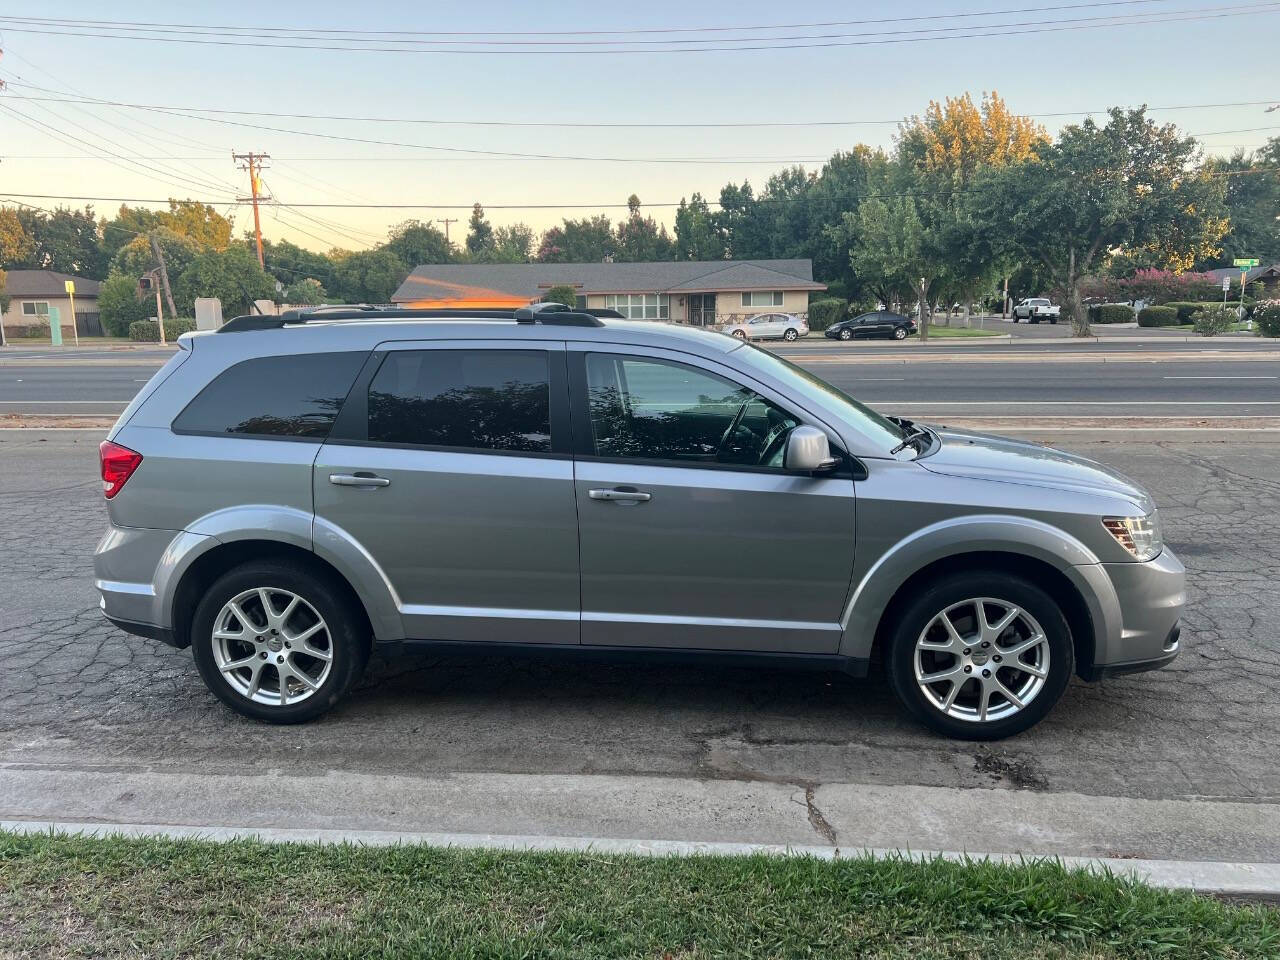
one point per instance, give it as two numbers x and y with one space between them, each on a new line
1245 262
69 286
1226 284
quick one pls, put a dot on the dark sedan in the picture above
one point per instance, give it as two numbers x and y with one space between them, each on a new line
877 323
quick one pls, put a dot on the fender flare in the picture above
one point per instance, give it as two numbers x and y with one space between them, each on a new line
287 525
982 533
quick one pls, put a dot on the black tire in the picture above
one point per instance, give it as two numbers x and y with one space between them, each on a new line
348 639
790 334
919 612
739 334
846 334
899 333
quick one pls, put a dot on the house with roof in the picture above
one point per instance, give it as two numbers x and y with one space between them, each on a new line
37 295
1268 276
703 293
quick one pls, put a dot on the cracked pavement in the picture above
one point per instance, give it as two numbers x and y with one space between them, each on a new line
75 693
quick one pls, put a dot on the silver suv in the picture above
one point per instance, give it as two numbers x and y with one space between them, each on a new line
287 494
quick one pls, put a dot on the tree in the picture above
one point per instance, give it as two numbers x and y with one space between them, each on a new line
368 276
1129 184
562 293
414 242
5 298
892 248
480 240
696 235
199 223
588 240
957 138
16 244
1252 183
119 304
137 258
308 292
290 263
66 241
231 275
639 238
513 244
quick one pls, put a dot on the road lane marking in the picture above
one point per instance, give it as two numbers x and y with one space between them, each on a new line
878 379
1222 378
118 403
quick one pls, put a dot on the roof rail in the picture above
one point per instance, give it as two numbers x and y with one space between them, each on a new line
546 314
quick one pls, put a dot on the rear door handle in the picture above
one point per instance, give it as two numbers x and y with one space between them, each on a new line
622 494
358 480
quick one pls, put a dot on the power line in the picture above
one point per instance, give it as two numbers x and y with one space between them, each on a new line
570 32
898 37
575 124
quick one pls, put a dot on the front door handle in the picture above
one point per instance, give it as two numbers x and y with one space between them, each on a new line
358 480
620 494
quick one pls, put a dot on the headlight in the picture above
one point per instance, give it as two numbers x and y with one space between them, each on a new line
1139 535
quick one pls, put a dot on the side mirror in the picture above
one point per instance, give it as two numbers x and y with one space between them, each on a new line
808 451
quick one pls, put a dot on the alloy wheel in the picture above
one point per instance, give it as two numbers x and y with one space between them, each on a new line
271 646
981 659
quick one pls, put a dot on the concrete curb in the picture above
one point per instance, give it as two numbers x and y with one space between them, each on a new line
1255 881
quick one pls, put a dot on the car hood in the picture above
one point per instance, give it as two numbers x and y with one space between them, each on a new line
983 457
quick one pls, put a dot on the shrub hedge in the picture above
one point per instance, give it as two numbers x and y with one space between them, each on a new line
148 331
1157 317
1266 318
1111 313
1213 320
823 313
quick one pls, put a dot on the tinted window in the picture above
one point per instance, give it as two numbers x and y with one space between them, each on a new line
657 410
482 399
289 396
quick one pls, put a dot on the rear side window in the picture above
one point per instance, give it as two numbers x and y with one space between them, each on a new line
473 399
289 397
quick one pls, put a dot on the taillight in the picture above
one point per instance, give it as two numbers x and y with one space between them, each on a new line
118 464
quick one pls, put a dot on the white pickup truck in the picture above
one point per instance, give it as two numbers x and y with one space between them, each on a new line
1035 309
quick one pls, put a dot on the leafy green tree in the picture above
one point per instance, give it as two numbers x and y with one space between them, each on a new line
231 275
198 222
66 241
414 242
290 263
119 304
368 276
1129 183
480 241
308 292
512 244
137 258
893 250
641 239
588 240
5 298
1252 184
696 235
16 244
562 293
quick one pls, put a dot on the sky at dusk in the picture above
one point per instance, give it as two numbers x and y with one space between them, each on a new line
867 74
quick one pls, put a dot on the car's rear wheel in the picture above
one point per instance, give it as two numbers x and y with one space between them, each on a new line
790 334
846 334
899 333
980 656
741 335
278 642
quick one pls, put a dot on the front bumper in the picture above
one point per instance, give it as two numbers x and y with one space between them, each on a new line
1151 597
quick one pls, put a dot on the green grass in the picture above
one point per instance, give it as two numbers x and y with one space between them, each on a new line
939 331
79 897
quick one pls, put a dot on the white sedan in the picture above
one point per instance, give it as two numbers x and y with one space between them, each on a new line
769 326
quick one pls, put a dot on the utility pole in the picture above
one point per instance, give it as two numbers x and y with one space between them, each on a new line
253 163
164 274
446 223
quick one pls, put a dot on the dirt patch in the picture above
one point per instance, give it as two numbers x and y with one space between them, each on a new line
23 421
1016 772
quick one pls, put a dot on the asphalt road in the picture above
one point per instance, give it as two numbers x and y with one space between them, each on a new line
921 382
76 694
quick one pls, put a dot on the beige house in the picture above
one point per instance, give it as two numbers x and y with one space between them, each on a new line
37 295
704 293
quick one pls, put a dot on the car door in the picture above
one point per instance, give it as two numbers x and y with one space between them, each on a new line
691 532
451 466
758 327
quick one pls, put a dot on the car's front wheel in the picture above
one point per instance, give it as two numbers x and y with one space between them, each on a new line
980 656
276 641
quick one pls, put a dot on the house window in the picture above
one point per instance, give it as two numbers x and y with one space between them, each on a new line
35 308
762 298
640 306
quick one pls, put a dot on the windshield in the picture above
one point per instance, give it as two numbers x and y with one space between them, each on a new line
880 429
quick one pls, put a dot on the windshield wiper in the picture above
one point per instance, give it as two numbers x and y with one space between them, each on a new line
915 435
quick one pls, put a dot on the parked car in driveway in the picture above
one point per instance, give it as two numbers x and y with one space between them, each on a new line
877 323
288 494
769 326
1035 309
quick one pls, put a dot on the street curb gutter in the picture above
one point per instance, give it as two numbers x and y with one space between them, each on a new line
1253 881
